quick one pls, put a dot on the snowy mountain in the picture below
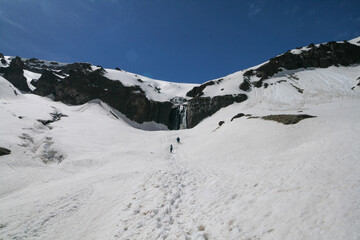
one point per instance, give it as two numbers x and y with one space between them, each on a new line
175 105
270 152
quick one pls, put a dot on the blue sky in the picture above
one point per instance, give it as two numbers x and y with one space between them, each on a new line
174 40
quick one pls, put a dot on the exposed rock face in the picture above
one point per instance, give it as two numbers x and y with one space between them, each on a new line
46 84
4 151
245 85
15 74
198 91
82 86
202 107
39 66
76 67
2 59
328 54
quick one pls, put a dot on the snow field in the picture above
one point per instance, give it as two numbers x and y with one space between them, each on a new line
91 175
249 179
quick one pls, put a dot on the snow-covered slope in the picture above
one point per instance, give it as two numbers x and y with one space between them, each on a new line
88 172
154 89
92 176
7 90
294 88
355 41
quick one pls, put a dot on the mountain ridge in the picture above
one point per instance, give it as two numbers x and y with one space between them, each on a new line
174 105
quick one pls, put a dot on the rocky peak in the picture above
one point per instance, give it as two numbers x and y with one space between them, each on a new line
2 59
46 84
82 67
15 74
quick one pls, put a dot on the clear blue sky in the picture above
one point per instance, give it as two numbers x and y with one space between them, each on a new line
173 40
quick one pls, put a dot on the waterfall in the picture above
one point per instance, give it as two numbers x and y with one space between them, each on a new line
178 114
182 116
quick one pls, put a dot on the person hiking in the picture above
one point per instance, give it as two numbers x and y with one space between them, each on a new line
178 139
171 148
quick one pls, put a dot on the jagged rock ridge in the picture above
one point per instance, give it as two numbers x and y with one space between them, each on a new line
322 56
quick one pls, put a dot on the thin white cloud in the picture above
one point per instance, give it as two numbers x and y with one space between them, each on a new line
311 12
357 20
253 10
342 36
9 21
292 11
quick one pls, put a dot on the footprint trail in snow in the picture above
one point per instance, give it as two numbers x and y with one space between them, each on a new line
157 208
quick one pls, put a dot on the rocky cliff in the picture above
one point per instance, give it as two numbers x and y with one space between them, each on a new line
201 107
81 86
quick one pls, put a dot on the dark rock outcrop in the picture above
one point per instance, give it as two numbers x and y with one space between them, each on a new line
55 116
287 118
239 115
46 84
4 151
198 91
245 85
2 59
39 66
202 107
325 55
15 74
82 86
82 67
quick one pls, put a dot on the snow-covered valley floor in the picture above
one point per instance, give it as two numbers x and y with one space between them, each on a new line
248 179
